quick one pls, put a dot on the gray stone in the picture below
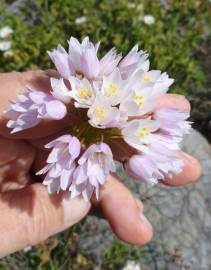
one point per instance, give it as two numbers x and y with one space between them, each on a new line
181 218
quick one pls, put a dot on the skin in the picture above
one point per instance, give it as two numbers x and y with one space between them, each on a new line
29 214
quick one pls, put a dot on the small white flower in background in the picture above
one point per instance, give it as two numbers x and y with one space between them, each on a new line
149 19
131 5
140 7
5 31
132 265
27 249
8 54
81 20
5 45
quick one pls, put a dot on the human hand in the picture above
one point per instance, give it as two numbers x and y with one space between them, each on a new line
29 214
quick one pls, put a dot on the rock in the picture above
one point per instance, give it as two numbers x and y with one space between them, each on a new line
181 218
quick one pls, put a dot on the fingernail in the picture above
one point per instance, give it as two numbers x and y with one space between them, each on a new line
145 221
178 96
190 159
139 204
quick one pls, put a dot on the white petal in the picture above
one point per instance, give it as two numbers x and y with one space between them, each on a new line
60 91
82 92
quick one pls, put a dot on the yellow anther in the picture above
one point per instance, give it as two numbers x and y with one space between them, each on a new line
138 97
146 79
107 94
144 132
113 87
112 90
139 100
100 113
84 93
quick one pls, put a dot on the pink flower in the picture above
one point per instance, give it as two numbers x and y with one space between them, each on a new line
173 126
142 168
166 159
133 61
109 62
110 98
93 168
82 59
157 163
173 121
61 163
62 62
32 107
162 84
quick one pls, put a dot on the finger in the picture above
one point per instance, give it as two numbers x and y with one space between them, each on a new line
119 207
37 215
14 83
123 213
139 204
173 101
16 158
41 160
96 211
41 142
11 150
190 173
15 175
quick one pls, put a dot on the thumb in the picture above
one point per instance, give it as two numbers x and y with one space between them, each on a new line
31 215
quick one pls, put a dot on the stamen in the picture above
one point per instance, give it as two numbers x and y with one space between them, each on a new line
101 113
113 90
84 93
146 79
144 132
139 100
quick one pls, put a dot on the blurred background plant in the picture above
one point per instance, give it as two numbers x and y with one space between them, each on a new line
177 35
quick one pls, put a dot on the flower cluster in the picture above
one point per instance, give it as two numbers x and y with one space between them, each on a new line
115 99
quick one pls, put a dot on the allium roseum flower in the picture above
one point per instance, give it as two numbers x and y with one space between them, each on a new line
61 163
157 163
172 121
93 168
32 107
113 100
134 60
